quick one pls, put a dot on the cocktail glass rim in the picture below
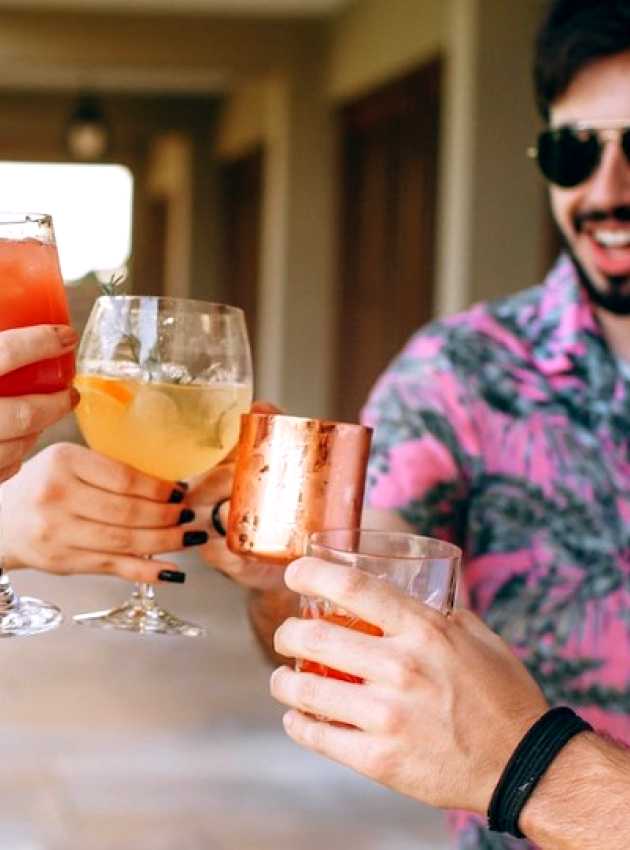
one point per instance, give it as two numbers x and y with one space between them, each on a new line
25 218
169 299
450 550
260 414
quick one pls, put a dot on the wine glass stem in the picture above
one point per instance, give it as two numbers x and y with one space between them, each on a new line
145 594
8 597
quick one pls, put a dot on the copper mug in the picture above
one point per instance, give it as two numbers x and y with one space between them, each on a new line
294 476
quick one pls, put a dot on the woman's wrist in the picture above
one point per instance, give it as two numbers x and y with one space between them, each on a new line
7 561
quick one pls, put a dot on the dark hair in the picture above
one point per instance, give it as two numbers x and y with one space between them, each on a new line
575 33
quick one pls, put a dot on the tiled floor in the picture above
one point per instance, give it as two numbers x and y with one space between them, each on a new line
114 742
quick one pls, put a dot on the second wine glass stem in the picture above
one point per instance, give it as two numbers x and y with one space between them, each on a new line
8 597
145 594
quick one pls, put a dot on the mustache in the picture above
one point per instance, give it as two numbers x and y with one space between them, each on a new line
620 214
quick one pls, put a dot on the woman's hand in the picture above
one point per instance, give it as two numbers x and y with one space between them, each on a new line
443 704
23 418
72 510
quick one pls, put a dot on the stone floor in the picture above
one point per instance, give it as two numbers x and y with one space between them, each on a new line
117 742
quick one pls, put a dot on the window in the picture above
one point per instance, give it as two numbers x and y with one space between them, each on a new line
91 206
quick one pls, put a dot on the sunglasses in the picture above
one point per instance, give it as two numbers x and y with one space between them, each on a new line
570 154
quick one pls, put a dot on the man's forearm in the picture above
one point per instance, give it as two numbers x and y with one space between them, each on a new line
267 610
583 801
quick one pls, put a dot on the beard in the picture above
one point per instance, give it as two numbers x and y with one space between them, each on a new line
614 300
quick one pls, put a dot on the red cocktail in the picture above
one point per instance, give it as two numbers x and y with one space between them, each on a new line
32 293
315 611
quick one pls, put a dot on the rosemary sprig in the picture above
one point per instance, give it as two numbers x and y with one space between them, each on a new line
113 285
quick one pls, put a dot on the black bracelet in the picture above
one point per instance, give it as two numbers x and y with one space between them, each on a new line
216 518
527 765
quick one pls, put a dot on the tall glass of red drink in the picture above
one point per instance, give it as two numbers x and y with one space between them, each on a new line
31 293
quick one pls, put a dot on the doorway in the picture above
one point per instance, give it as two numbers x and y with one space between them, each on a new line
388 213
241 194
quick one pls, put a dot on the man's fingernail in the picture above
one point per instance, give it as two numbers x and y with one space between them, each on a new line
176 496
186 516
195 538
75 396
67 336
276 675
183 485
172 575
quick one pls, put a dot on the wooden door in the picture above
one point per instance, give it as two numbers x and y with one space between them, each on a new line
390 150
241 189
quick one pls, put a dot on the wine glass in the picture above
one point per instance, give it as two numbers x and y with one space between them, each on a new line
32 293
163 384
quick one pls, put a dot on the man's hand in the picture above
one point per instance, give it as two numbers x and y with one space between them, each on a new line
23 418
443 704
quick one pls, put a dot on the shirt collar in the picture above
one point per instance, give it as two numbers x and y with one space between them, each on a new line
564 327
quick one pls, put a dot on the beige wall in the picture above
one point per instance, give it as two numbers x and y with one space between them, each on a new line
506 220
170 178
491 202
290 116
244 120
377 40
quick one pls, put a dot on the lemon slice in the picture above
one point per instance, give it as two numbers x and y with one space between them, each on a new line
112 387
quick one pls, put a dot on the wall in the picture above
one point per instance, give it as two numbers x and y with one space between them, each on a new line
290 116
490 197
377 40
170 178
508 210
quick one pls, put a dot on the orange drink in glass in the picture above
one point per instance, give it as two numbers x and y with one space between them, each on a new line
420 567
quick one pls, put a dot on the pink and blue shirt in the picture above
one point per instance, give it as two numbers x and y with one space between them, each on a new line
506 430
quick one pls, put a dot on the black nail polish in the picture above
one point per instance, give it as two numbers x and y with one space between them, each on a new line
182 485
172 575
195 538
186 516
176 497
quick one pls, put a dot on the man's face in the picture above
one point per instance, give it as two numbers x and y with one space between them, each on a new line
595 215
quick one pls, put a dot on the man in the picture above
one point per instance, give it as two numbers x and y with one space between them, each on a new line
446 704
505 429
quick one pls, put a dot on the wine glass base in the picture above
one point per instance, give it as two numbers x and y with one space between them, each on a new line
29 616
142 619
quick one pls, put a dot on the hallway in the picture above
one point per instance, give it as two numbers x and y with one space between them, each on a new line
111 742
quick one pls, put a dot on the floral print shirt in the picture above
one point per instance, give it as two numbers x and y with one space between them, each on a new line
506 429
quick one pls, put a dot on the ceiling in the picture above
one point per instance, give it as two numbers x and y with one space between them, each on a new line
259 8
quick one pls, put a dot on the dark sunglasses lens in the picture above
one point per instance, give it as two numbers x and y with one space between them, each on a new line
625 143
567 159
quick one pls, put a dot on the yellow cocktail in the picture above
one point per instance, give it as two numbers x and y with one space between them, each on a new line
163 384
172 431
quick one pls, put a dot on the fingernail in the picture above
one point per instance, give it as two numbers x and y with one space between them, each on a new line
176 497
75 396
195 538
276 675
183 485
186 516
172 575
67 336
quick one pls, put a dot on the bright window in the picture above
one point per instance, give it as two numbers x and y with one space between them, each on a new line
91 206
